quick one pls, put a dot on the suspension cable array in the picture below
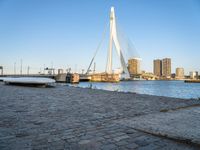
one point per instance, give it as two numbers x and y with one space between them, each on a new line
97 49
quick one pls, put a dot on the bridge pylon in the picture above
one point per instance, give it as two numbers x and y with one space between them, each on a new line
114 40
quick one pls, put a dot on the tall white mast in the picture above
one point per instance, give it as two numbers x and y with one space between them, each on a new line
113 38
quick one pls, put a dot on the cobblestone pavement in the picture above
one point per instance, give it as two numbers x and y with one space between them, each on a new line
181 124
75 118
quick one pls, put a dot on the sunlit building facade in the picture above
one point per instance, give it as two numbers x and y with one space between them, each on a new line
134 66
157 67
166 67
194 74
179 73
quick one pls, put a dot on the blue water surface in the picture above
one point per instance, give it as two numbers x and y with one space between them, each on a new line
178 89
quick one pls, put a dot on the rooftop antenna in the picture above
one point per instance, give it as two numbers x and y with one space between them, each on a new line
21 67
14 68
28 68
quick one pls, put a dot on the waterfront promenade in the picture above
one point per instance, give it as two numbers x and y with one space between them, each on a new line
76 118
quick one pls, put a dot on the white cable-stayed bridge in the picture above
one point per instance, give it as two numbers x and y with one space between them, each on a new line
124 49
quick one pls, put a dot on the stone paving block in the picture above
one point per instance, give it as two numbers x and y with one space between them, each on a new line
149 147
141 141
122 143
135 135
162 142
100 139
108 147
119 138
82 142
132 146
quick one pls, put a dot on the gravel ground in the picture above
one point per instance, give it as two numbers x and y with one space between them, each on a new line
76 118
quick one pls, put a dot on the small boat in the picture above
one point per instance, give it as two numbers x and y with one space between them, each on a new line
29 81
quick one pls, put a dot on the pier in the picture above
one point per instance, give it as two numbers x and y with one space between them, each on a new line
192 81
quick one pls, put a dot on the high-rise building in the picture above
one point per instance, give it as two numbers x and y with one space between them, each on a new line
157 67
134 66
179 73
166 67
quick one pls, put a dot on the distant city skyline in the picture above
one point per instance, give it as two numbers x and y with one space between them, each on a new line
65 34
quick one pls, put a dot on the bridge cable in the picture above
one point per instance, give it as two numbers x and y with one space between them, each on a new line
97 49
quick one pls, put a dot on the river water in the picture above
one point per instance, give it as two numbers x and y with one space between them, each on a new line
177 89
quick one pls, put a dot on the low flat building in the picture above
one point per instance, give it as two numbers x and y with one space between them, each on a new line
60 71
105 77
1 68
72 78
179 73
194 75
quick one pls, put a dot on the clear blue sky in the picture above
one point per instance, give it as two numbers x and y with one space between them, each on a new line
66 33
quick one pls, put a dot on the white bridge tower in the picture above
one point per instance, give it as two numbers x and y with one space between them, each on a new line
114 39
